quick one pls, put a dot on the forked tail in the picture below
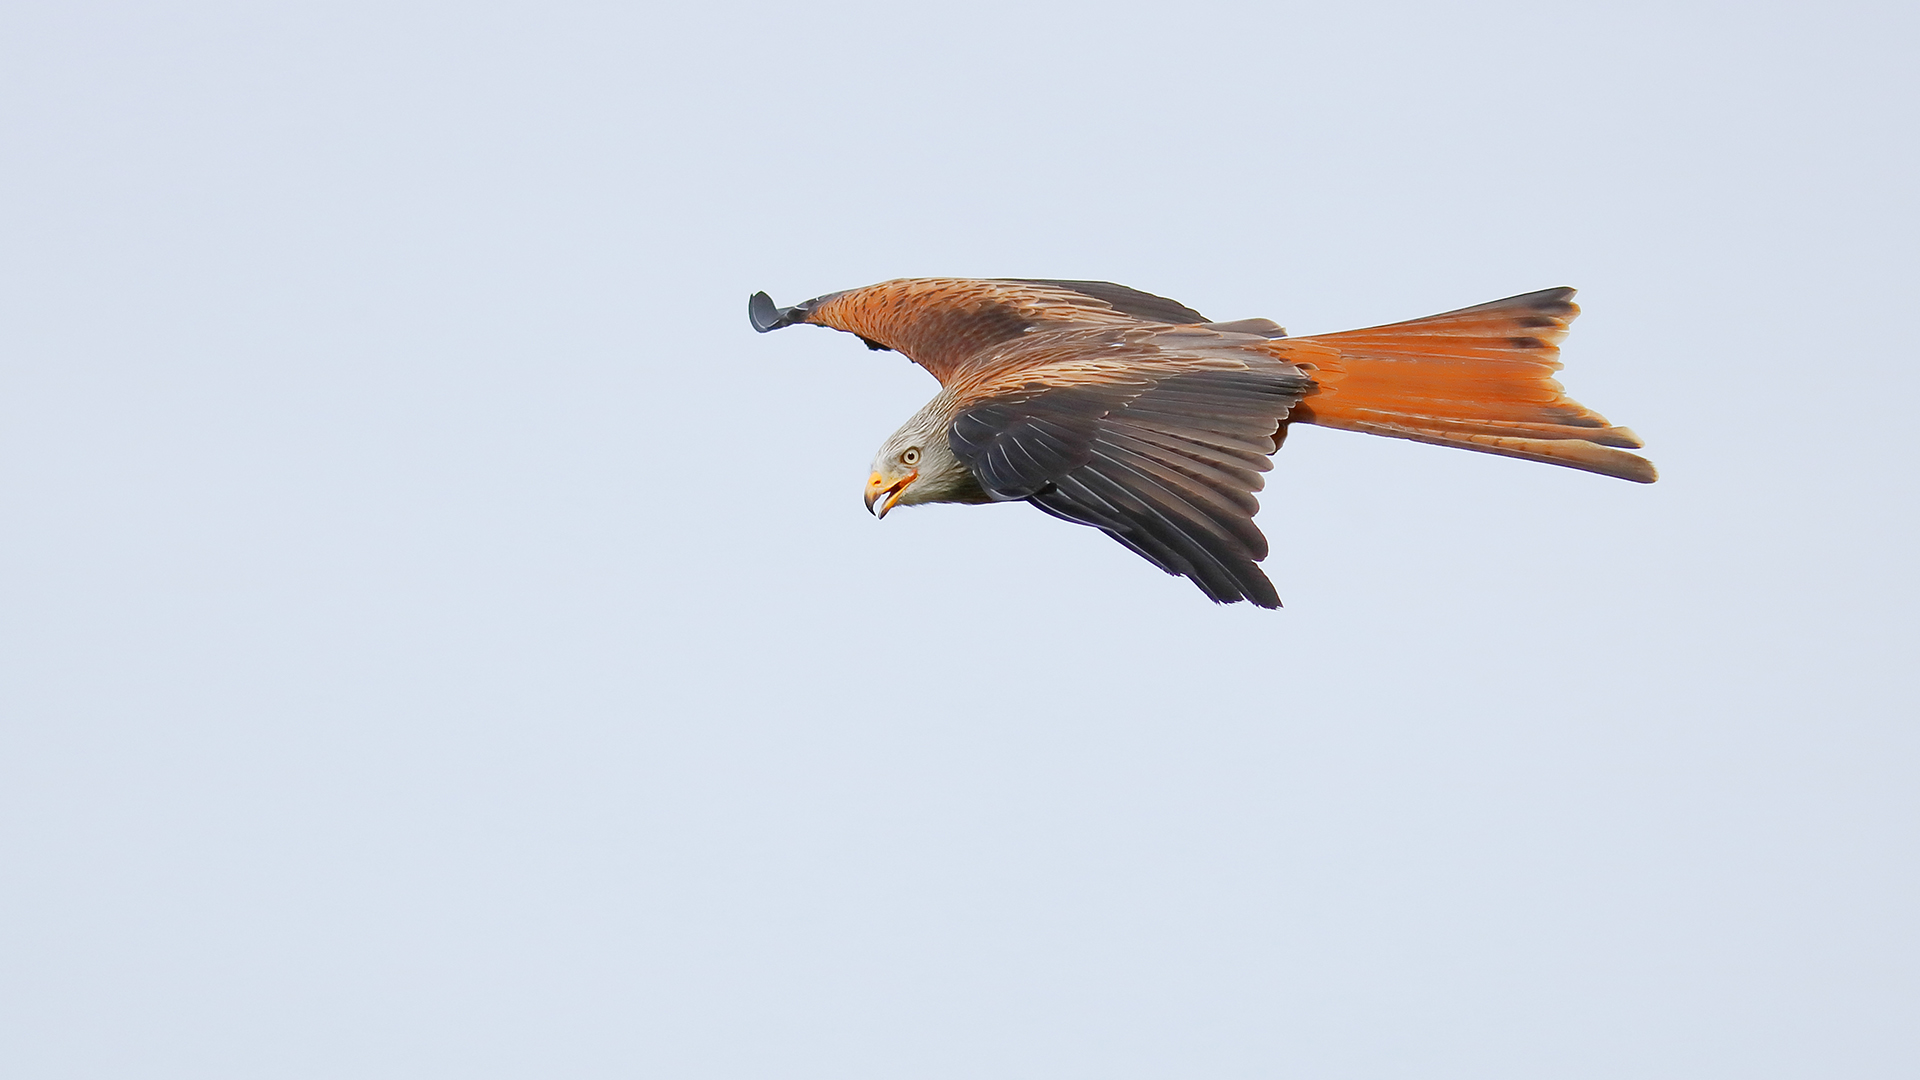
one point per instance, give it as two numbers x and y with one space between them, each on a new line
1480 378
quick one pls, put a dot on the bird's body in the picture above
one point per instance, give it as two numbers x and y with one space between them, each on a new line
1132 413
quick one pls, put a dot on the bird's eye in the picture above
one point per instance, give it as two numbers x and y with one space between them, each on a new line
911 457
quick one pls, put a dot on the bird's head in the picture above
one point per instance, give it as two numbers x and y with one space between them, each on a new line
915 465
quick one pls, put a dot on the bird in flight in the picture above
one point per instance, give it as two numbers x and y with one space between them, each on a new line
1132 413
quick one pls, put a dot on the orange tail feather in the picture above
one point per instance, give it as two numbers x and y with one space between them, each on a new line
1480 378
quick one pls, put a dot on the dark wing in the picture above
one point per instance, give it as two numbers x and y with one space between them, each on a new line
1164 462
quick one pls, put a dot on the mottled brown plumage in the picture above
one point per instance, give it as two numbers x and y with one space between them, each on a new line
1132 413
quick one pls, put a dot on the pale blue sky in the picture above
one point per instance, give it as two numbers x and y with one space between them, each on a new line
439 638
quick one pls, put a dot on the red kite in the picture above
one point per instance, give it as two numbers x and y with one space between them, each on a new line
1132 413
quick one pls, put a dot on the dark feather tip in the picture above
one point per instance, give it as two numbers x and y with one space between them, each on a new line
764 316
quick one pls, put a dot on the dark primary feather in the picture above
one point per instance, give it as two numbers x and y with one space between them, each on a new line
1017 445
1166 465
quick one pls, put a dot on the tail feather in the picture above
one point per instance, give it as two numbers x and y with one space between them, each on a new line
1480 378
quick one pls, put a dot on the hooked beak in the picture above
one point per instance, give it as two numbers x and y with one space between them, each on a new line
879 491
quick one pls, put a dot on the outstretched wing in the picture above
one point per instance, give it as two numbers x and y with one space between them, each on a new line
952 326
1164 459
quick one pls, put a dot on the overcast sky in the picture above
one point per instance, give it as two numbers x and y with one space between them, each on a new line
439 638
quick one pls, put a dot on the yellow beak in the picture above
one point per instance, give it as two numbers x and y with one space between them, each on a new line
879 491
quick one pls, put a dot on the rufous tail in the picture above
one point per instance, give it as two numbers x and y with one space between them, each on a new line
1480 378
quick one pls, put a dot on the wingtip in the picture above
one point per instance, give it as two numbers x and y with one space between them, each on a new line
762 314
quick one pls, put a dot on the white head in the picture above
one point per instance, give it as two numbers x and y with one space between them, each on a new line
916 465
